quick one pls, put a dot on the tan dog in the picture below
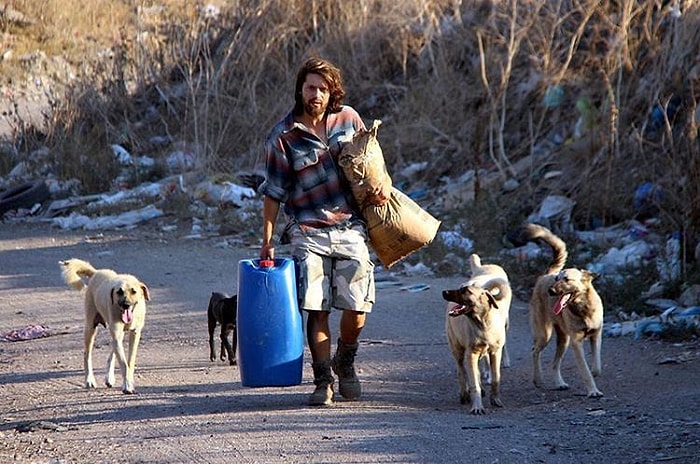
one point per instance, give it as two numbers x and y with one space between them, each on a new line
565 301
117 301
476 327
481 275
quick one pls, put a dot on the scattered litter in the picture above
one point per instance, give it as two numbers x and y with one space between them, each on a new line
555 214
122 155
127 219
681 358
672 318
525 253
30 332
149 190
632 255
412 169
236 194
417 269
453 239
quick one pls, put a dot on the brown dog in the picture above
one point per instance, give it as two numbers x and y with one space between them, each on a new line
565 301
476 327
118 302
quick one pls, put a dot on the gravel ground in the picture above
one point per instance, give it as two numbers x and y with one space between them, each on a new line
188 409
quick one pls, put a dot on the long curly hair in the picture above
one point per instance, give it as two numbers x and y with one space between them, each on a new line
330 73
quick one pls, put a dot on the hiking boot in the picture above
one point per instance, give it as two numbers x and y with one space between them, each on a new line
343 366
323 379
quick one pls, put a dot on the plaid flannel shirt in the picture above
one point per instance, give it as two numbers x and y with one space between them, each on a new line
302 172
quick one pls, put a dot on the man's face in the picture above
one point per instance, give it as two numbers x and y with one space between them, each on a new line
315 94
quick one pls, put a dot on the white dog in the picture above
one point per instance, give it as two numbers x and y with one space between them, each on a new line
482 275
476 328
117 301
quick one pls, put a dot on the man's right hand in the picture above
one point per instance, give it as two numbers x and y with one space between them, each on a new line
267 251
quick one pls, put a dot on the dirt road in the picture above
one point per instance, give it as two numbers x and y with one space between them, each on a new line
188 409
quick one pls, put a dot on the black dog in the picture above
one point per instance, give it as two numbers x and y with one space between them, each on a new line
222 310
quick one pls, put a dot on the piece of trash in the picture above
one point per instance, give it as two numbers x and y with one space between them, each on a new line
129 218
386 284
675 359
416 288
453 239
122 155
30 332
41 425
553 96
648 327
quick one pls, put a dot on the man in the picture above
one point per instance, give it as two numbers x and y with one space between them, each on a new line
328 237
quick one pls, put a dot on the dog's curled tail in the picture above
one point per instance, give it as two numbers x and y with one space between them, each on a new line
537 232
74 270
498 287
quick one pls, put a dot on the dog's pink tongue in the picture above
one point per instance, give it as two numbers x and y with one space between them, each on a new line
127 316
458 310
561 302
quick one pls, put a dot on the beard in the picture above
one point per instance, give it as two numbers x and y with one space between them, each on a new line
314 110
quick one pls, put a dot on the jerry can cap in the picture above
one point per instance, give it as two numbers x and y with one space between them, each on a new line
267 262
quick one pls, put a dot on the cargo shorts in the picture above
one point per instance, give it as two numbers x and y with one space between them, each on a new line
334 269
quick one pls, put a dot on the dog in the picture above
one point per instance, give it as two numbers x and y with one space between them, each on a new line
475 324
117 302
481 275
564 300
222 311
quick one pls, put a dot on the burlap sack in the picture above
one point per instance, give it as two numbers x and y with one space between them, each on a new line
399 228
363 164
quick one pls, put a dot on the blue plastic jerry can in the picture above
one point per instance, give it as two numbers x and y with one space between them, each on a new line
269 324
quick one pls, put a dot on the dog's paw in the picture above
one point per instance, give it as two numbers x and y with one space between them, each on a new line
562 386
496 402
128 392
232 362
477 411
595 394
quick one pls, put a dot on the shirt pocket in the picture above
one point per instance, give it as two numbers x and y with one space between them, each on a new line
309 168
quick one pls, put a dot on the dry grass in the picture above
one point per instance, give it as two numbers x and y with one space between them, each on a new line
461 84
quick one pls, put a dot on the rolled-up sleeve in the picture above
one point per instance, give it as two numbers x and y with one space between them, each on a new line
276 184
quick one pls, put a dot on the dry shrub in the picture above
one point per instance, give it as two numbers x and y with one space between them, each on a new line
461 84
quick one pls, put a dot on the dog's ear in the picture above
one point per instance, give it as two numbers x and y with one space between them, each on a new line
590 275
111 295
492 300
146 295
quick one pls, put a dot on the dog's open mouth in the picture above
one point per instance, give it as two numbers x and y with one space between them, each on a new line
561 303
458 310
127 314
